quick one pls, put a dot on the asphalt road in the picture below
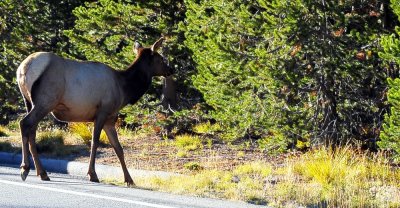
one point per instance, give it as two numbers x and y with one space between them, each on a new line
72 191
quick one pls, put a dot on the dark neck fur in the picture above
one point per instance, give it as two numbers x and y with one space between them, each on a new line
135 82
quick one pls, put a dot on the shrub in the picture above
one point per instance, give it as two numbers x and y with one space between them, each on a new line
84 131
188 142
274 143
206 128
390 136
181 154
193 166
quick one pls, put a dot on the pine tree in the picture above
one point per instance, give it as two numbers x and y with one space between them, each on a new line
390 135
229 42
332 79
27 27
315 61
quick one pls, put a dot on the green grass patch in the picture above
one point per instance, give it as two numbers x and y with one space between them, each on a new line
182 154
347 178
254 169
193 166
188 142
51 142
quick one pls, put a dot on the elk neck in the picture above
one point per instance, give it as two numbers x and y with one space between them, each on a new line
134 81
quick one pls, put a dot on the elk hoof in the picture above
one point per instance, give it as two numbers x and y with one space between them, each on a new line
96 180
130 184
93 177
44 177
24 173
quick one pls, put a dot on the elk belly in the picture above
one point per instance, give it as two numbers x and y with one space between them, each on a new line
77 114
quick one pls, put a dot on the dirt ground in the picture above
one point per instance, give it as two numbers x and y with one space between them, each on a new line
151 152
154 153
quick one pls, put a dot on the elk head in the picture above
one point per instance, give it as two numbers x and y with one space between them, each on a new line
155 63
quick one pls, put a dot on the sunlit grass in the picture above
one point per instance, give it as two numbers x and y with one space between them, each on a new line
13 125
347 177
84 131
319 178
182 154
4 131
206 128
188 142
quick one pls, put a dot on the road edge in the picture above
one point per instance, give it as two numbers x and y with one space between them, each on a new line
79 168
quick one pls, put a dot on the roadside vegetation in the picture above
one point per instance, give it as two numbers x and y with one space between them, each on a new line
84 132
285 103
319 177
3 131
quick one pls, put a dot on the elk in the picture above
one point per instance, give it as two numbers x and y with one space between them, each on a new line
83 91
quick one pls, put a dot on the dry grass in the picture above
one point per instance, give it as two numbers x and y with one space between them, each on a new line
57 143
4 131
320 178
6 141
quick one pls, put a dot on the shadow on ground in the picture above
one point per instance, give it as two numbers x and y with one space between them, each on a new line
53 148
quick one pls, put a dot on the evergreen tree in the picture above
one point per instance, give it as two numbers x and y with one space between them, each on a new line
229 42
331 79
390 136
26 27
317 57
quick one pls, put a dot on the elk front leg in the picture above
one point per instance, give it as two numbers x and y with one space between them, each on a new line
98 126
112 135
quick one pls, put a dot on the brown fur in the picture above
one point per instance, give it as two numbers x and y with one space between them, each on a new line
78 91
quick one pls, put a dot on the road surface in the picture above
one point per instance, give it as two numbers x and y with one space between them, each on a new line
71 191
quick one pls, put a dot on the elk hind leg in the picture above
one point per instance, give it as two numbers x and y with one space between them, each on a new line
28 127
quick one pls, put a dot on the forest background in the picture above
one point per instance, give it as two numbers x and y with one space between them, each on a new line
274 77
287 74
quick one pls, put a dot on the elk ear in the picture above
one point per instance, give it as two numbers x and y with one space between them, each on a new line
137 47
157 44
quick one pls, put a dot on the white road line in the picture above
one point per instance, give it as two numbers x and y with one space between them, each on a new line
84 194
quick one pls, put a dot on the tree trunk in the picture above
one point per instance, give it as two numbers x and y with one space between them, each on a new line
169 99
